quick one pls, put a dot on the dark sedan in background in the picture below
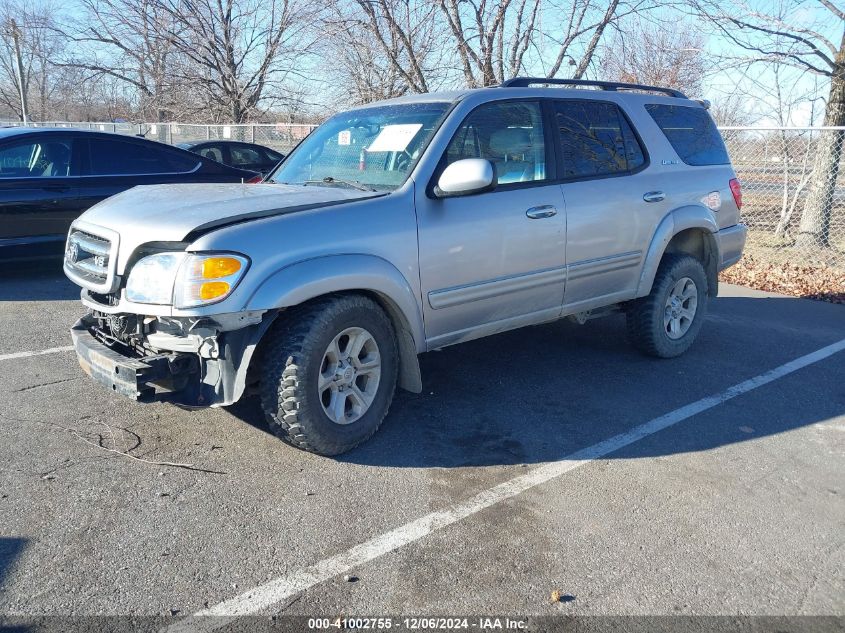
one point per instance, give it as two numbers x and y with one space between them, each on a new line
237 154
48 177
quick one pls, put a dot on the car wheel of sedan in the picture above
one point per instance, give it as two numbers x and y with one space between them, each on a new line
329 374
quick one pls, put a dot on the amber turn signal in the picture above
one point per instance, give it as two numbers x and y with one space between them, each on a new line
216 267
213 289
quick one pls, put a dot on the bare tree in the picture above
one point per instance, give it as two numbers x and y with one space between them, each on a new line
237 52
474 43
385 48
786 36
782 93
730 111
39 42
668 55
495 40
126 40
491 39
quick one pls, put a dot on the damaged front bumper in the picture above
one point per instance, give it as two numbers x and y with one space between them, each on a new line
181 377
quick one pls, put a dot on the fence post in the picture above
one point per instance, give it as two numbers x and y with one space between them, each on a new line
252 134
207 132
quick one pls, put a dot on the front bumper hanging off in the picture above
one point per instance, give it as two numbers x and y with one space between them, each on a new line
146 379
184 378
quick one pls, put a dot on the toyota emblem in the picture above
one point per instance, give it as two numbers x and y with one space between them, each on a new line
72 252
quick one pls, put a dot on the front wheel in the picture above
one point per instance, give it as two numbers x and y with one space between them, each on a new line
329 373
666 322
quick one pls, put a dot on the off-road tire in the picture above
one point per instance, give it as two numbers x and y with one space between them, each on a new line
292 357
646 331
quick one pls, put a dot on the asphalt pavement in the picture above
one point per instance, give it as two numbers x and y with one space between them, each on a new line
482 495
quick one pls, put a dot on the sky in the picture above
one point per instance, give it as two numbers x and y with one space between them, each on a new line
752 85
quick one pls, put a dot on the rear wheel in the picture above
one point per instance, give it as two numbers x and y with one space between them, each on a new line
666 322
329 374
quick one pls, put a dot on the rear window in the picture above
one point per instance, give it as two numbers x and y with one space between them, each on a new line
691 132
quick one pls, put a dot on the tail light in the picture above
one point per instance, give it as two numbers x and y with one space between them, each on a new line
736 190
256 179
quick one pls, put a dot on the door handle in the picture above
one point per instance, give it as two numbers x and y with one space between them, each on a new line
654 196
544 211
57 188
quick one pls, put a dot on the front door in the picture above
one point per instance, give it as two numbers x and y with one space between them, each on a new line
610 224
39 196
496 260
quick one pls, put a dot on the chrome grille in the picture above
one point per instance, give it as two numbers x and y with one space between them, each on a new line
88 258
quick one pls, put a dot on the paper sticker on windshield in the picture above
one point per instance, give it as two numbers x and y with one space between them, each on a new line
344 137
394 138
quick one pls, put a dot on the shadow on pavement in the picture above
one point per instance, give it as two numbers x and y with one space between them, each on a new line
10 550
541 393
43 281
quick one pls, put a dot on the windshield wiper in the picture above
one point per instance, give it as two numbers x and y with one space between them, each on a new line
330 180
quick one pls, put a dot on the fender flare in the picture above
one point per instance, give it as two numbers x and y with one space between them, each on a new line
680 219
307 279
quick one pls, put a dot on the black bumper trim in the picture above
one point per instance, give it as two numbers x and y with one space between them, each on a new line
135 378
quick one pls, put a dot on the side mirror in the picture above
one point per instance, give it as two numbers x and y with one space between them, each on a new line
465 177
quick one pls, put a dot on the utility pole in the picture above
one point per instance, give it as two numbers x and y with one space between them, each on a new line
16 38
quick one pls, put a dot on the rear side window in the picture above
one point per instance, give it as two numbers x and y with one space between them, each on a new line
691 132
243 156
596 139
274 157
121 158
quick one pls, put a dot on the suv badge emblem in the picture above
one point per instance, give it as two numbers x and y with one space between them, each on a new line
72 252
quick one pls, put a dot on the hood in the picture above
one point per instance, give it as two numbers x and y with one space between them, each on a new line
170 213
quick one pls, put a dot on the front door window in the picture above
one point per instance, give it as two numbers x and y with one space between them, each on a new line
509 135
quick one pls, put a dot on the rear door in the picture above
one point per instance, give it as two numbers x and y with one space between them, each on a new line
603 166
115 164
39 197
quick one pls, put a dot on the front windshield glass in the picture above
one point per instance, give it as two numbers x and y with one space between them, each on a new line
371 148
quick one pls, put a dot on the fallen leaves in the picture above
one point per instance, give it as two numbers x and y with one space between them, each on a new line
822 283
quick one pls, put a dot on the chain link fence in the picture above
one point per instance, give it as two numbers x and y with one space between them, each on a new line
281 137
793 186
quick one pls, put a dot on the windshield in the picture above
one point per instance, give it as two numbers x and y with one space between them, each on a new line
372 148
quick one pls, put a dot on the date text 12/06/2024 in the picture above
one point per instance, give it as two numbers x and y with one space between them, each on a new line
417 623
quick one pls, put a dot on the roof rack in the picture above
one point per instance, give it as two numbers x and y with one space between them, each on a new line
613 86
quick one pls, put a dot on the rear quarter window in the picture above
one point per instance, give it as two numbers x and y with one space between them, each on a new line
691 132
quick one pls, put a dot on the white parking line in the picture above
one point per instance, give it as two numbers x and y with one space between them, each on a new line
52 350
285 587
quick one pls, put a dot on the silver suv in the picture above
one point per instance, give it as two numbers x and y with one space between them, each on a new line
404 226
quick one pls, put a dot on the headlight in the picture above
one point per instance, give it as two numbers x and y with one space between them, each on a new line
204 279
151 279
185 280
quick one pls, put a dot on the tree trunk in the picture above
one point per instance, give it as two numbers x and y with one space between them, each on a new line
161 130
814 230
